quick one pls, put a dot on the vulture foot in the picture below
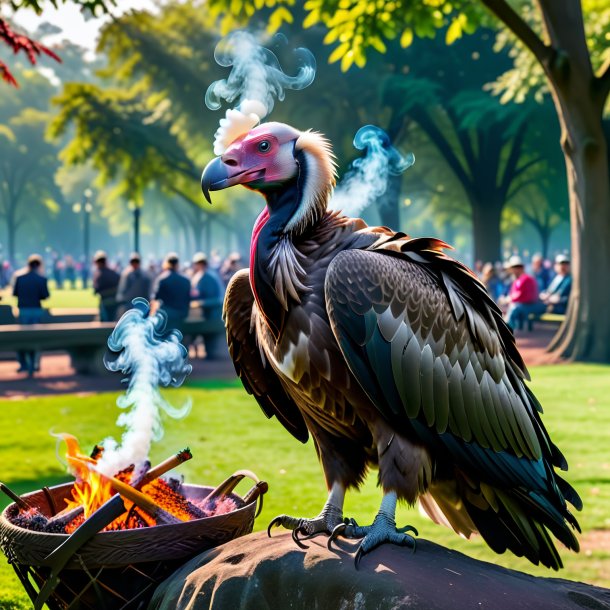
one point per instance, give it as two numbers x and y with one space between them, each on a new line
305 529
383 530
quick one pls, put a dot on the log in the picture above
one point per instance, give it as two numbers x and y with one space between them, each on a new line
258 572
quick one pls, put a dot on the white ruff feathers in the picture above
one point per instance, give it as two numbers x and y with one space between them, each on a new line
238 122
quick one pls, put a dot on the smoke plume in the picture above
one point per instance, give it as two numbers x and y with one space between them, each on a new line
256 80
150 357
256 73
366 180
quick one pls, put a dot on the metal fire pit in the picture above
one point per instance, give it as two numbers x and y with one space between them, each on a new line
116 569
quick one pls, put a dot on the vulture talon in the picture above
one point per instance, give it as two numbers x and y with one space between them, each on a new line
295 537
274 523
338 530
359 554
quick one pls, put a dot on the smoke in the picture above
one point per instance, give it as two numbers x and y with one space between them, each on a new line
367 178
150 357
256 80
256 73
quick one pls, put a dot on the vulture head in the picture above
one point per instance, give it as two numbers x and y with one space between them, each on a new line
293 170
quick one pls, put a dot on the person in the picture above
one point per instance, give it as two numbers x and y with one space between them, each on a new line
70 271
231 265
30 288
134 282
522 298
58 271
556 296
540 271
207 288
491 281
172 292
105 283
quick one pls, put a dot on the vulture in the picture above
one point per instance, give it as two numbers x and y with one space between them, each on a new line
391 355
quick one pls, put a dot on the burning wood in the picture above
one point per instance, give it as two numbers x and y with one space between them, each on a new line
150 500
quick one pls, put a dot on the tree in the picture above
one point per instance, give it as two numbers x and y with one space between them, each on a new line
489 146
578 78
32 49
27 162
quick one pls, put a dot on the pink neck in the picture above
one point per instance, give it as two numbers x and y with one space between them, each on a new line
263 217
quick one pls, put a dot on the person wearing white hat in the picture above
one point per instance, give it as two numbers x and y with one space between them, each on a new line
556 296
522 298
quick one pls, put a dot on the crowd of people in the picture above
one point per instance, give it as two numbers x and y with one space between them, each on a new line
522 294
176 291
521 290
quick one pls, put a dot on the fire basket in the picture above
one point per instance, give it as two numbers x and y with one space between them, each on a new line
117 569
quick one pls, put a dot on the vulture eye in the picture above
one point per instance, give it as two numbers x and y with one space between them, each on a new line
264 146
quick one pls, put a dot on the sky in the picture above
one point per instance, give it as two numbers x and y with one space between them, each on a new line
75 27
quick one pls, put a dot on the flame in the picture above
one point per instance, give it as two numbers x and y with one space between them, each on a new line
91 490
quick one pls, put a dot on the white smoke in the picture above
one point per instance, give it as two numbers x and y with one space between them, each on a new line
256 80
150 357
367 178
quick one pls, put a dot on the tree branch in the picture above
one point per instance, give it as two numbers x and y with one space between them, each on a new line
440 141
520 28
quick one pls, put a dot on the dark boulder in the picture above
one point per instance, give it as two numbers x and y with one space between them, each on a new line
256 572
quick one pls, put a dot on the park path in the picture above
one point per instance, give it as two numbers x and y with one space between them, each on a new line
57 376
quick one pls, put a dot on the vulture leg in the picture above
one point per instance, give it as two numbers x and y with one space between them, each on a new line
383 530
328 519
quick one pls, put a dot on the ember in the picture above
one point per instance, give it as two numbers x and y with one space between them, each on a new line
149 500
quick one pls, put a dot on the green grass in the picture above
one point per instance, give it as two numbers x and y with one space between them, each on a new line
227 431
67 298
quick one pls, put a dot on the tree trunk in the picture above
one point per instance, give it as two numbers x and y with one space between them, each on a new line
486 217
545 238
11 234
585 334
579 99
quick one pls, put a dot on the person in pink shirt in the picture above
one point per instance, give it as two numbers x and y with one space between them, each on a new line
522 298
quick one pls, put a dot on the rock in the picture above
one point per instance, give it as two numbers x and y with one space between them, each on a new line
256 572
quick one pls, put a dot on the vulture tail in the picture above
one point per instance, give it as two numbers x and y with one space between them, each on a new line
515 520
520 521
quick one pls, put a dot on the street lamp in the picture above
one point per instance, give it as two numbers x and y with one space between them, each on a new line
135 208
86 208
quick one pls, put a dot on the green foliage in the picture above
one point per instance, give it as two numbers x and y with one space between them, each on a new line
358 26
27 161
93 6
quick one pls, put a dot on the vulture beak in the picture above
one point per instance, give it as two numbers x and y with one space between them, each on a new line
219 175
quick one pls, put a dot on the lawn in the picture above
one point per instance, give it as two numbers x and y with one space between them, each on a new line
72 299
227 431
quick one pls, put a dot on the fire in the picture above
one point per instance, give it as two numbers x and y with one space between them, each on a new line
91 490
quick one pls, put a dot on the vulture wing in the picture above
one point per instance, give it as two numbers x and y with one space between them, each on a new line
432 352
258 377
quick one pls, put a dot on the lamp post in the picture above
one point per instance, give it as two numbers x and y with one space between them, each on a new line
86 208
135 208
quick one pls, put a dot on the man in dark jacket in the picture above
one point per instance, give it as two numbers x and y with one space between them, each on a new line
172 291
207 288
134 283
30 289
105 283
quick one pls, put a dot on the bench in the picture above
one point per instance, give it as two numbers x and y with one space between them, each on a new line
86 342
550 319
51 316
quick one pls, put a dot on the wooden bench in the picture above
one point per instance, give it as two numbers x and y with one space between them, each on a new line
8 315
86 342
550 319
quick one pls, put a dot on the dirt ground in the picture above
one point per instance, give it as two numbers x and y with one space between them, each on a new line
56 376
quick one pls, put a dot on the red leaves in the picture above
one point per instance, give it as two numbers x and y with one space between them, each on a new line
19 42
